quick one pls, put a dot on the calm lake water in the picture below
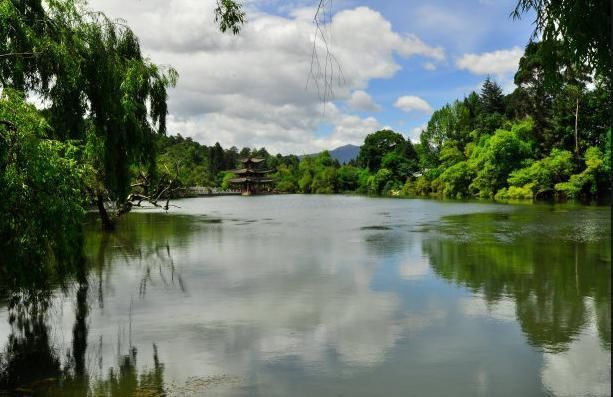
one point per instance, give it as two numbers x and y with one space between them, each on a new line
327 296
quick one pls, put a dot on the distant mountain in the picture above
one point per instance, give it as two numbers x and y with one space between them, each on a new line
343 154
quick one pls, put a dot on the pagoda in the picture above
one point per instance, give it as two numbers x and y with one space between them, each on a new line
251 177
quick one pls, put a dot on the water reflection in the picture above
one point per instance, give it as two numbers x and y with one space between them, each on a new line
547 270
33 364
555 279
35 360
294 299
144 245
28 342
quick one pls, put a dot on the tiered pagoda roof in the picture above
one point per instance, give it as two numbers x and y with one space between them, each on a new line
250 176
251 160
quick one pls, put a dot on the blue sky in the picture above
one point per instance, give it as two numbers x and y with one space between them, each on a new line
460 27
401 60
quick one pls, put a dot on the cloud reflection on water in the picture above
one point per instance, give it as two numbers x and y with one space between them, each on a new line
323 304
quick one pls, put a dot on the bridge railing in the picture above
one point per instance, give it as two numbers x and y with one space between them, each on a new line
210 191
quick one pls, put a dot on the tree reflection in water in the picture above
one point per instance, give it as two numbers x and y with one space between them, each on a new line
28 359
555 277
550 271
146 244
30 364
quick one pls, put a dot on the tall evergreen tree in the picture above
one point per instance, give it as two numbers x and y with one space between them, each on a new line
491 98
491 107
216 159
538 92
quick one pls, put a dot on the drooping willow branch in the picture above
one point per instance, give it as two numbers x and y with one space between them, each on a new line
325 69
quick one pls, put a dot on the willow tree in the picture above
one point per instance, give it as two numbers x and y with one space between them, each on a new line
127 106
584 27
99 88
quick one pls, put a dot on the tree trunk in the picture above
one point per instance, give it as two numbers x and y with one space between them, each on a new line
107 222
79 330
577 128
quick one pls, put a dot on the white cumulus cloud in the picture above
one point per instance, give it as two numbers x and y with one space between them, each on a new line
497 63
360 100
249 90
410 103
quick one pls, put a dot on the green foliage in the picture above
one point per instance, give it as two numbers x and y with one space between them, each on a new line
494 159
524 129
285 179
305 182
41 190
448 127
400 166
535 95
324 181
555 95
363 179
380 143
348 178
457 179
229 15
225 181
422 186
542 175
318 174
120 84
586 182
450 154
491 110
100 89
380 182
584 27
516 192
491 100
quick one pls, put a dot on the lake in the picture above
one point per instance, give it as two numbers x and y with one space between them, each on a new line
295 295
